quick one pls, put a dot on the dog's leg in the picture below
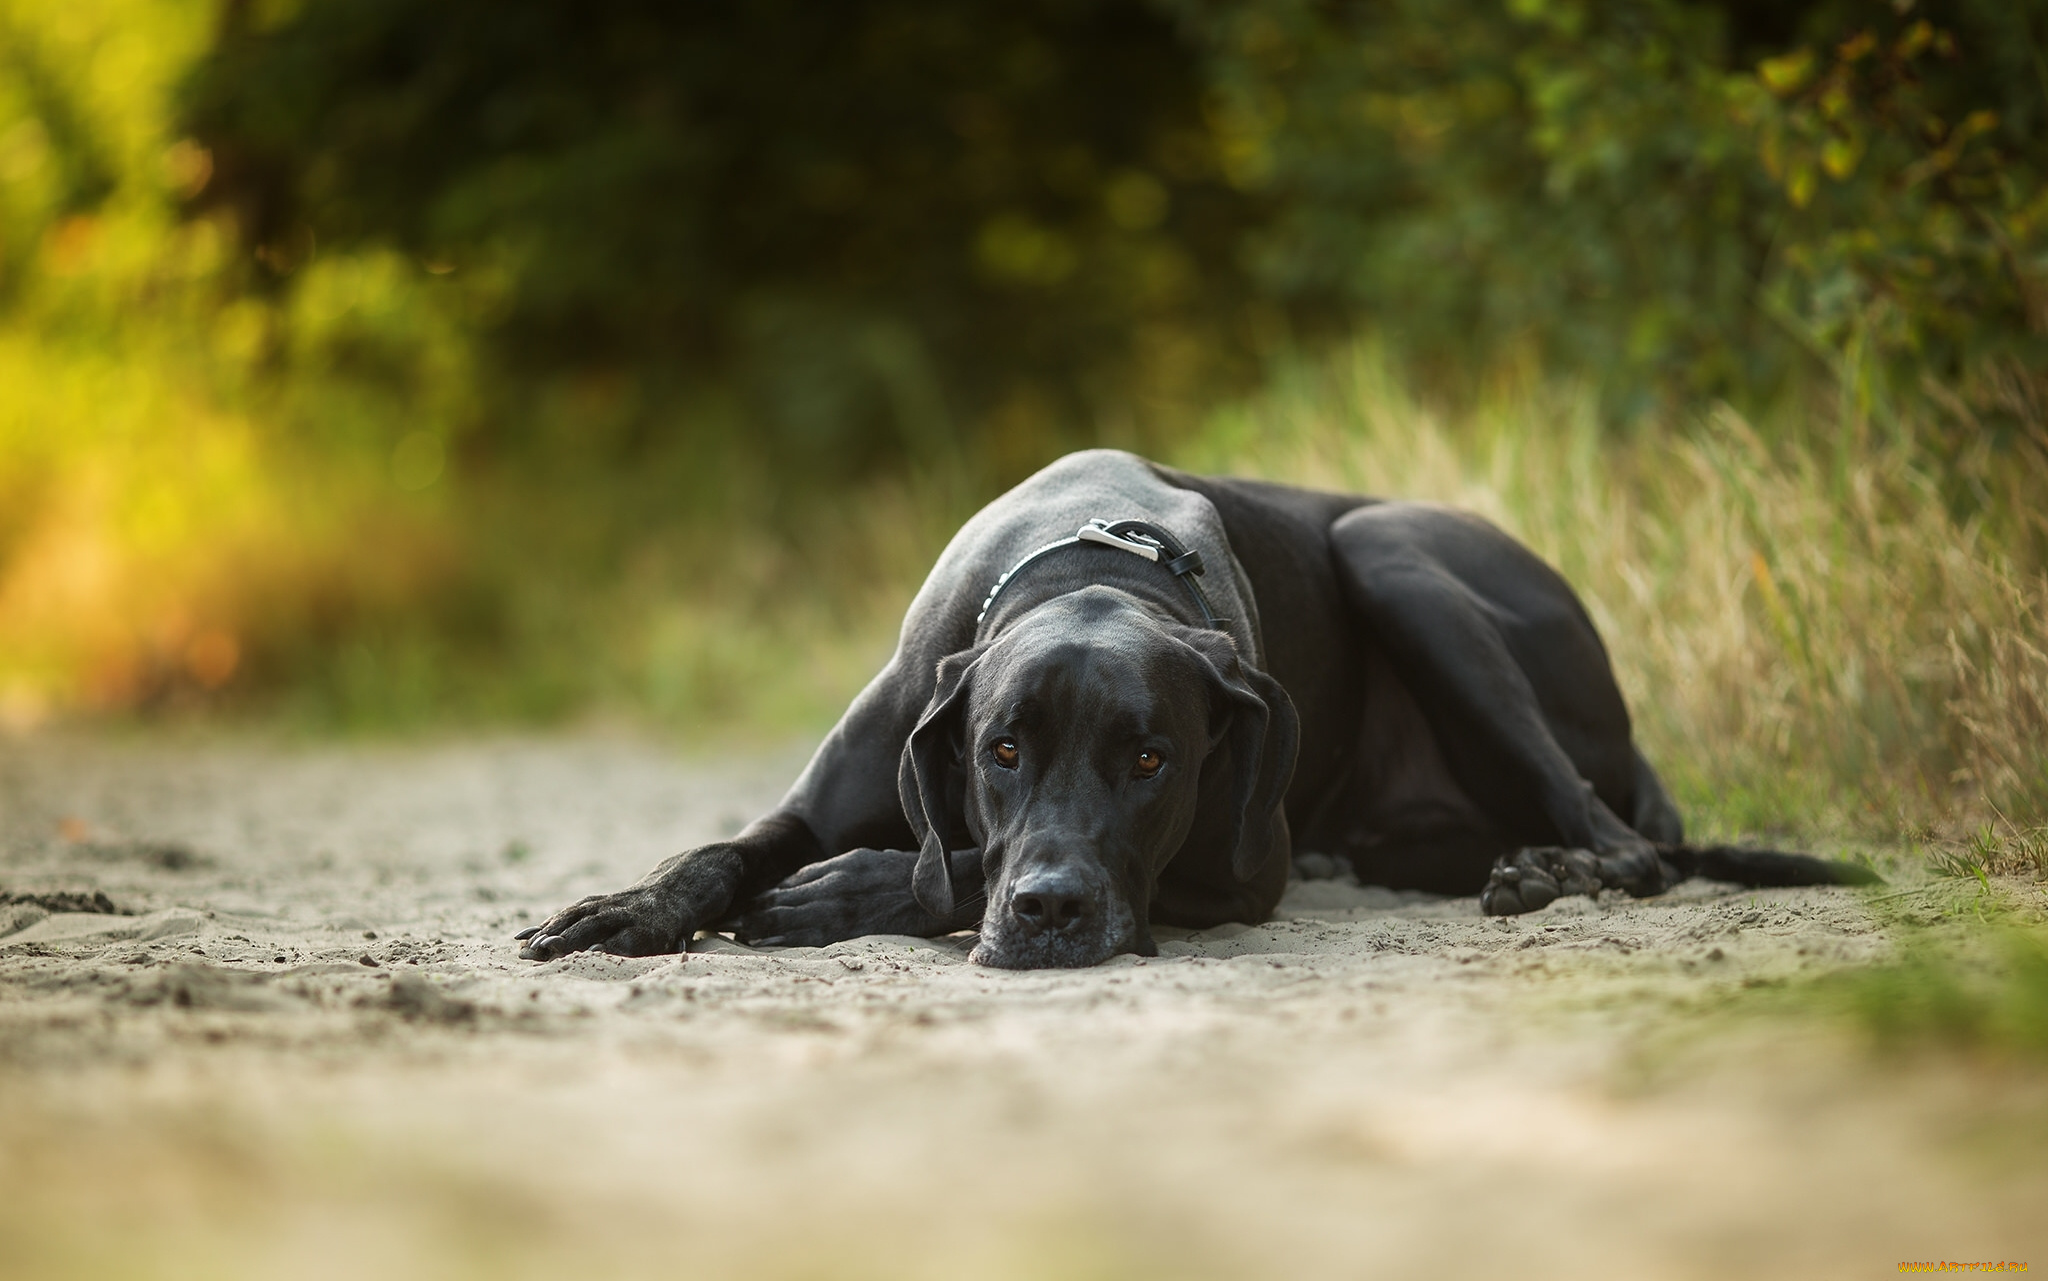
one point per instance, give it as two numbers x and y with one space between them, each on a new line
1503 664
683 894
846 798
1656 815
861 892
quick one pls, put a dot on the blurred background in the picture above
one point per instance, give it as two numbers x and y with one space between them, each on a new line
369 366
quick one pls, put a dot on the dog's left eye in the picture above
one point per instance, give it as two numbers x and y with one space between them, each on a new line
1005 752
1148 764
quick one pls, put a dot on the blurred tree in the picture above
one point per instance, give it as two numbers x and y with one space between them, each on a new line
880 219
1670 198
396 331
51 163
891 223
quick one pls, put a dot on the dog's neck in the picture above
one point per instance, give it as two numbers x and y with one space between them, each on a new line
1142 539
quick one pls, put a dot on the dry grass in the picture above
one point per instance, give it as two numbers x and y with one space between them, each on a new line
1818 632
1808 631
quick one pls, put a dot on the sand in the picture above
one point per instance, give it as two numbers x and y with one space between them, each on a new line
305 1047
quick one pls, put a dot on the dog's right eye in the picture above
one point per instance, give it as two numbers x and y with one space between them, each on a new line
1005 752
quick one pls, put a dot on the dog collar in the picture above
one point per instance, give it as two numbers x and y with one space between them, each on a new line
1140 538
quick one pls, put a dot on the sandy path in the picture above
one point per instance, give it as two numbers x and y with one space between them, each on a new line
313 1053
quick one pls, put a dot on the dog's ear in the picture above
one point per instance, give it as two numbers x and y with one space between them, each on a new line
1252 717
931 785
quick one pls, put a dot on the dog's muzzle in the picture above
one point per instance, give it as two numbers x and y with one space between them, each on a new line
1054 917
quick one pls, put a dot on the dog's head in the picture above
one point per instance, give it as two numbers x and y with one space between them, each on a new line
1074 750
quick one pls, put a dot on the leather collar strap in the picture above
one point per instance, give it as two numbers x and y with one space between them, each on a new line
1140 538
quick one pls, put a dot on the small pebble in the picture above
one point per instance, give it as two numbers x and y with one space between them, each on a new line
367 959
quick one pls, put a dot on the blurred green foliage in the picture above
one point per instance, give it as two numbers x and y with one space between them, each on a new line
873 223
889 225
385 362
1675 200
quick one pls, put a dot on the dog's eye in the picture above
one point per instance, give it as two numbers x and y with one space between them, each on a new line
1148 764
1005 752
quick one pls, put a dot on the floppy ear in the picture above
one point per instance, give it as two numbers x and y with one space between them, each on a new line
931 787
1256 720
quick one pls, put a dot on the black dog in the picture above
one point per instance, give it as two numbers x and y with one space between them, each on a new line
1083 732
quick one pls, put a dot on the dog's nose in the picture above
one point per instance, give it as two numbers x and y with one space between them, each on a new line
1048 905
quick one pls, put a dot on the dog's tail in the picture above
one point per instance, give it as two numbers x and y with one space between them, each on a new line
1760 868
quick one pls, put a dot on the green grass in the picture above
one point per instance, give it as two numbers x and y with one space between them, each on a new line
1991 998
1968 976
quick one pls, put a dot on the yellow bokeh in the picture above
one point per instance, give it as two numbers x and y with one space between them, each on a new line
159 502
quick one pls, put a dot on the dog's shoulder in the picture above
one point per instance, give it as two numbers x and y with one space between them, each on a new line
1056 500
1243 500
1053 503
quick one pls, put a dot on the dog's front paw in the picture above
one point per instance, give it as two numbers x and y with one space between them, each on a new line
1536 876
824 902
862 892
642 921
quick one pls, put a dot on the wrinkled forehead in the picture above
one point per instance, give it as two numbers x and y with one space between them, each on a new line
1082 665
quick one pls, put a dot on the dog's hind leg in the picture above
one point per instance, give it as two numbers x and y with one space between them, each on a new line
1655 814
1515 684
